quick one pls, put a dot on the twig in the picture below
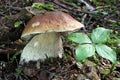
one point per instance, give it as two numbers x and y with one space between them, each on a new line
15 8
68 4
83 19
15 2
88 6
7 51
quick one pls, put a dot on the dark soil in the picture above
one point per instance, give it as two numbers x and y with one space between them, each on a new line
66 68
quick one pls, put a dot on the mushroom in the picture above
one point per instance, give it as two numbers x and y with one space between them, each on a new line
47 41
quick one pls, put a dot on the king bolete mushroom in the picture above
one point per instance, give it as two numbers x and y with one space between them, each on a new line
46 29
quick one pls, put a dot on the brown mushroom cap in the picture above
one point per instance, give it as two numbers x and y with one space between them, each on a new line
51 22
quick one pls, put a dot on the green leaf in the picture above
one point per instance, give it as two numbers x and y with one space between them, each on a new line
100 35
41 6
79 38
17 24
84 51
15 55
106 52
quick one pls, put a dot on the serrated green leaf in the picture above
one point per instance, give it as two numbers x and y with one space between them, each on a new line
84 51
100 35
79 38
106 52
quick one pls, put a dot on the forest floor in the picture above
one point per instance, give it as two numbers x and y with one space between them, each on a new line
92 13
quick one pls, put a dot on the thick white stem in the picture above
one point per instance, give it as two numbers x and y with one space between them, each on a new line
42 46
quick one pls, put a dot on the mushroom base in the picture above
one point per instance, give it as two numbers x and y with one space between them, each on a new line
42 46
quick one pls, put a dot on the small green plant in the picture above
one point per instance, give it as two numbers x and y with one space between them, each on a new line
19 70
26 1
95 43
110 3
97 2
99 11
43 7
15 55
17 24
